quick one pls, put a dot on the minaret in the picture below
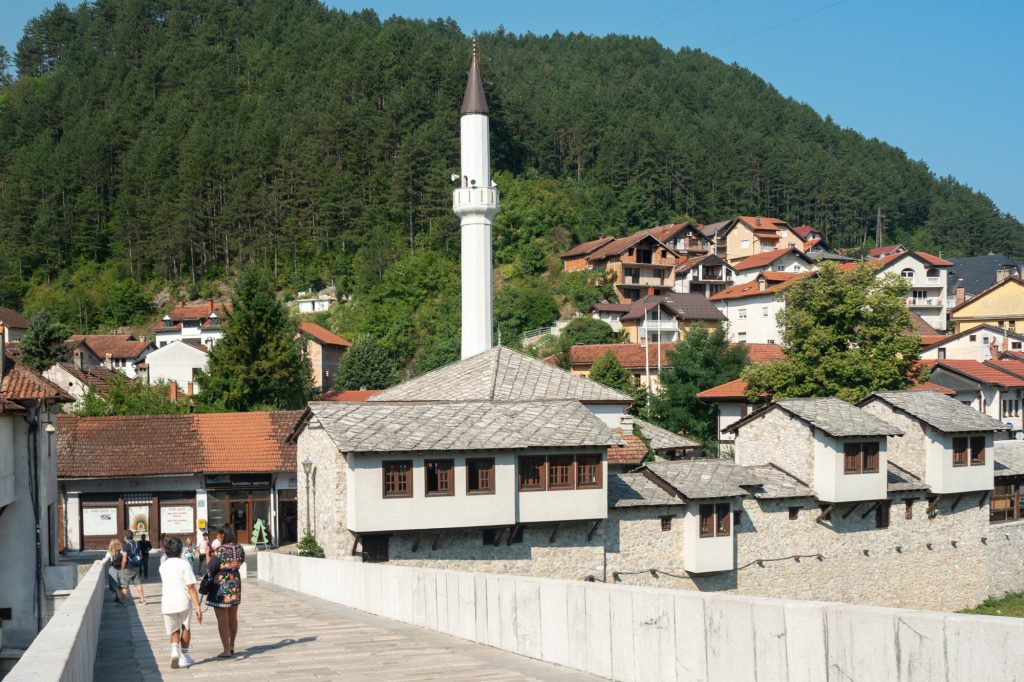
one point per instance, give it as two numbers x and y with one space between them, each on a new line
476 203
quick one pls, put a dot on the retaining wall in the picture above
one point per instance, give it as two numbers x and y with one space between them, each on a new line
647 634
65 650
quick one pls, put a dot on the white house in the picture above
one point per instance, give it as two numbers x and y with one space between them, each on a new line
789 260
751 307
14 324
705 275
180 362
76 380
977 343
122 352
994 387
199 323
314 305
927 276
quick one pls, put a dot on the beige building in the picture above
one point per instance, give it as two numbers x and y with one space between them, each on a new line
324 349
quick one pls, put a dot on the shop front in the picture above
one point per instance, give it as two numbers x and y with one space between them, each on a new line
102 516
238 501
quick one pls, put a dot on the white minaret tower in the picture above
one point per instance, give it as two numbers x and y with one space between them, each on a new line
476 203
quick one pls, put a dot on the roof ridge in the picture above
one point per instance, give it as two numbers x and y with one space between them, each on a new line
494 374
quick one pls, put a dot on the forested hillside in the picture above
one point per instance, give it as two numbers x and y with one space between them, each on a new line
148 143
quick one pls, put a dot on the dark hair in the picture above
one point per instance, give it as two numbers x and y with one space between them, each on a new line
128 535
228 533
172 548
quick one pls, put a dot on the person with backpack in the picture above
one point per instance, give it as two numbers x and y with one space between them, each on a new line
131 564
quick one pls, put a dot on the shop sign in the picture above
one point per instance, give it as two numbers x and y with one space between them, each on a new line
175 520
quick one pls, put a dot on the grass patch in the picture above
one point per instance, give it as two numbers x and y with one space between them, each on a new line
1011 605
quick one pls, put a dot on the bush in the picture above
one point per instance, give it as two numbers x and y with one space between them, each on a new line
308 546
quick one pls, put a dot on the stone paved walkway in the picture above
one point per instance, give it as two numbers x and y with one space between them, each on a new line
284 635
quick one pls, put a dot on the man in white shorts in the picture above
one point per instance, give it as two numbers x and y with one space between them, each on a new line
179 599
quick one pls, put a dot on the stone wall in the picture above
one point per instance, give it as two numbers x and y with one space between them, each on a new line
776 438
908 451
327 491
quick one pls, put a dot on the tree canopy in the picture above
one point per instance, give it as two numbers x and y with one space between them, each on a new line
702 359
43 346
366 365
127 397
845 334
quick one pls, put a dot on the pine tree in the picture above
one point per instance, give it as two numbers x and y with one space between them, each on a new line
366 365
702 359
259 364
42 346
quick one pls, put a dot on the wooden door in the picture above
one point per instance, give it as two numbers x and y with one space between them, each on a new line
239 513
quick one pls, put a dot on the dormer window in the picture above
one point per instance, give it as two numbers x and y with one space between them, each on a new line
860 458
168 322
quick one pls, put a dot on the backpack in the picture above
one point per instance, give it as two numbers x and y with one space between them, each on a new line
134 557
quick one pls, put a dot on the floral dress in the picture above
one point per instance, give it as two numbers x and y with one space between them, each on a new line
223 566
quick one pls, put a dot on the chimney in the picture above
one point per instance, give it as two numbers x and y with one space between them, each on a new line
1001 274
190 388
209 306
173 388
76 358
108 361
961 295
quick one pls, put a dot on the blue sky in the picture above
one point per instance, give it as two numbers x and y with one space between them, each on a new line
943 79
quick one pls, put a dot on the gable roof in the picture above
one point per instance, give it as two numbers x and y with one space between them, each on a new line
922 256
805 231
681 306
922 328
763 224
500 374
833 416
634 355
478 425
998 285
766 258
12 319
324 336
980 372
997 334
737 389
938 411
880 251
707 259
120 346
1009 458
634 489
22 383
631 452
158 445
698 479
663 439
977 273
586 247
774 283
96 378
616 247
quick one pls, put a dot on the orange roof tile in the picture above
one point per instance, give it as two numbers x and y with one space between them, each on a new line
929 386
586 247
763 224
119 346
633 355
322 335
777 281
736 388
880 251
21 382
765 258
349 396
982 372
631 453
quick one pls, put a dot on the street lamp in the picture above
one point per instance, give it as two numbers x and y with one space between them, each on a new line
307 466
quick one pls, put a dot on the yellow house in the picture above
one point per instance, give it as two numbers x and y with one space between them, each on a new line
1001 305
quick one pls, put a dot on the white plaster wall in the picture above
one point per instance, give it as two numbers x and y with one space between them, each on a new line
787 263
7 480
639 633
176 362
566 505
707 555
729 412
756 327
934 316
944 478
832 485
610 414
963 348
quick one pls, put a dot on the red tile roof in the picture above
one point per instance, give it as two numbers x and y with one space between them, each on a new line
736 388
775 282
633 356
21 382
922 328
979 371
804 231
351 396
96 378
587 247
198 312
11 319
234 442
763 224
631 453
120 346
880 251
765 258
616 247
924 257
929 386
322 335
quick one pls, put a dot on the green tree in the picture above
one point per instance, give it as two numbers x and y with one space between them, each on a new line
845 335
260 363
42 346
607 370
128 397
366 365
518 309
582 331
703 358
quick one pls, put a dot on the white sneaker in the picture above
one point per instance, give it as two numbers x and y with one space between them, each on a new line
174 659
187 661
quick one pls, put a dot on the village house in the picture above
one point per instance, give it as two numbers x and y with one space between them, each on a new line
640 265
177 475
984 342
993 387
122 352
658 319
14 325
705 275
1001 305
813 239
745 236
926 276
789 260
200 323
29 529
179 362
77 380
751 307
879 252
324 349
974 274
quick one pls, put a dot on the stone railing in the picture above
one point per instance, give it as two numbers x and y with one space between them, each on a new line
65 650
636 633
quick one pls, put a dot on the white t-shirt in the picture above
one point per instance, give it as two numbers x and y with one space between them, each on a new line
176 575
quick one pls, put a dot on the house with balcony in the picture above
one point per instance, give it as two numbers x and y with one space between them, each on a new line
945 443
789 260
993 387
705 275
640 265
927 278
751 307
684 238
745 236
836 449
200 323
658 319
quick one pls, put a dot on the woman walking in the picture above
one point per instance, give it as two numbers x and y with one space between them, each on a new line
226 594
188 553
113 578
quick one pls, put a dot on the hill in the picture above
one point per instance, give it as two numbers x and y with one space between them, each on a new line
162 142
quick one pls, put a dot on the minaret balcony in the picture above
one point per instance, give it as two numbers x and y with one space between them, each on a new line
470 200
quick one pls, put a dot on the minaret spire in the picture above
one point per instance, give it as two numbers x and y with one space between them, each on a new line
476 203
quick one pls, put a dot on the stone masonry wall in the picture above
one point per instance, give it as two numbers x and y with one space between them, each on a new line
778 439
908 451
328 492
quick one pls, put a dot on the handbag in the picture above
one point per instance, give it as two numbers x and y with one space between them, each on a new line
206 585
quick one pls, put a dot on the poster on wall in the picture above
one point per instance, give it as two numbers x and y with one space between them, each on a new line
99 520
177 520
138 519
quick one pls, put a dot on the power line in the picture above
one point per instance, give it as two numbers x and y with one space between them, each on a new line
658 16
784 23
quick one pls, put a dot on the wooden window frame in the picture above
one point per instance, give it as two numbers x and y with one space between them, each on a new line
446 492
384 477
542 473
961 451
594 461
706 521
470 463
976 456
715 520
723 519
1013 498
666 523
866 455
556 463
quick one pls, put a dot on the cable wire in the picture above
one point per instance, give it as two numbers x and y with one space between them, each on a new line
784 23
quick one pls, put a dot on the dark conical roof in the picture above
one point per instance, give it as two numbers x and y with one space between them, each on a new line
474 102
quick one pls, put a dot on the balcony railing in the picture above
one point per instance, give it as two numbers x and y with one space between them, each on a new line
928 302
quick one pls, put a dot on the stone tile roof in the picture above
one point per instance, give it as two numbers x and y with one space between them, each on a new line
938 411
484 425
836 417
324 336
154 445
777 484
500 374
636 490
21 382
1009 458
11 319
631 452
899 479
663 439
698 479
